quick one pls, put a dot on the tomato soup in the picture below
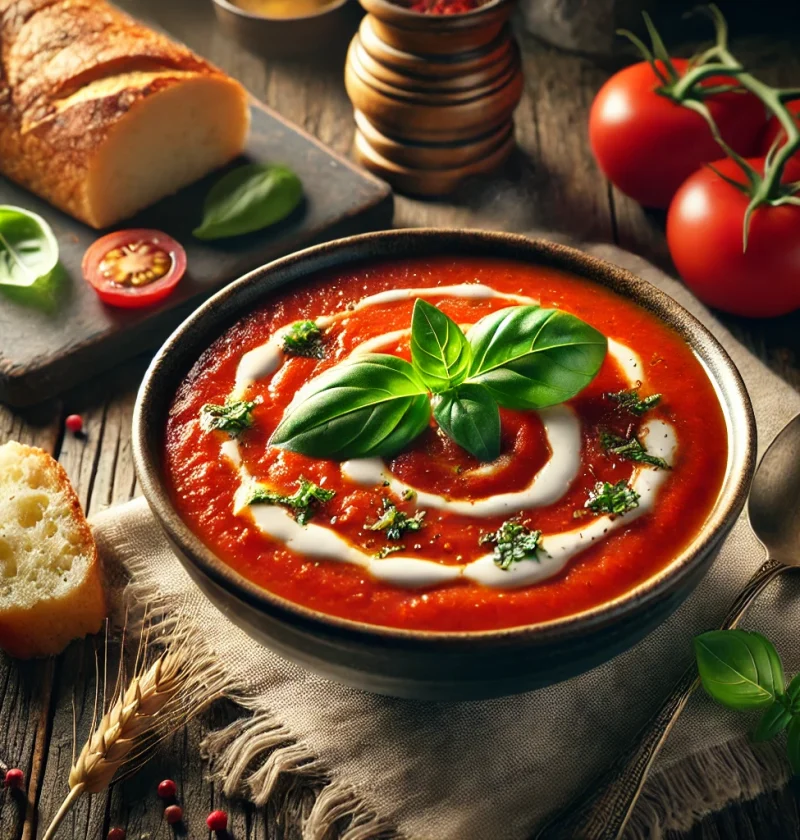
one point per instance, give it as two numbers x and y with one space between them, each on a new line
585 500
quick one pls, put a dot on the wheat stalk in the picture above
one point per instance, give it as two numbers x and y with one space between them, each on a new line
158 699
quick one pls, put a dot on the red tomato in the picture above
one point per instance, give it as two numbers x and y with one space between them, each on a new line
773 129
134 268
647 145
704 233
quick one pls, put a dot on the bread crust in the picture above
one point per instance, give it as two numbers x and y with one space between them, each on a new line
48 626
56 110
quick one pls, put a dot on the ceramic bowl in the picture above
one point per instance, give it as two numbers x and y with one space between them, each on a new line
282 37
413 663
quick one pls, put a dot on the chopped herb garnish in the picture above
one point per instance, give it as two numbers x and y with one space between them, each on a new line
616 498
512 543
395 523
631 449
408 495
303 502
233 417
630 401
389 549
303 338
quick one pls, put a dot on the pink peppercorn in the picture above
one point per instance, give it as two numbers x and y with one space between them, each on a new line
74 423
217 821
173 814
167 789
14 779
116 834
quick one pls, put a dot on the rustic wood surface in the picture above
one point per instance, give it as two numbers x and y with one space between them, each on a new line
551 184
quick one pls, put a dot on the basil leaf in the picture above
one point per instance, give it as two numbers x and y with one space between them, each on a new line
773 721
530 358
440 352
249 198
469 416
793 745
372 405
28 248
739 669
793 693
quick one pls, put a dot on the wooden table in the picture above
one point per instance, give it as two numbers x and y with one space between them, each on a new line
551 184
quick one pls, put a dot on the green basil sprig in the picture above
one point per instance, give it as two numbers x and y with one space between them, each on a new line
530 358
28 248
470 416
247 199
521 357
742 671
364 407
440 352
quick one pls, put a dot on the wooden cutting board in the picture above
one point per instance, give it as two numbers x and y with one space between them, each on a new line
49 344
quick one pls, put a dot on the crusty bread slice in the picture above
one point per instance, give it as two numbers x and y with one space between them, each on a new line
102 116
50 581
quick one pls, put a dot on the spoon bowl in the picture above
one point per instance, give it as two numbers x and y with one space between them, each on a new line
774 506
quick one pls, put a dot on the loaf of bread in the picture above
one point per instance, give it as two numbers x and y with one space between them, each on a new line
101 116
51 589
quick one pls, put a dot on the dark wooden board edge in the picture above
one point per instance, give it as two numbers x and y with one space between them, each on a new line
20 389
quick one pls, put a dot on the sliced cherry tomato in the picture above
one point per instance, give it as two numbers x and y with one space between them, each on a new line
704 232
134 268
774 128
648 145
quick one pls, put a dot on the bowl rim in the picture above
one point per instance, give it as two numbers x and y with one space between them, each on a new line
329 7
227 306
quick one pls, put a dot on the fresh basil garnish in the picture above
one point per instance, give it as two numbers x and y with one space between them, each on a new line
440 351
615 499
470 416
372 405
739 669
631 449
743 671
394 522
631 401
793 745
233 417
28 247
513 542
303 338
774 720
522 357
247 199
303 502
531 358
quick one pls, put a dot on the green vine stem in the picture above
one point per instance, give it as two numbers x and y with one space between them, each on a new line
688 91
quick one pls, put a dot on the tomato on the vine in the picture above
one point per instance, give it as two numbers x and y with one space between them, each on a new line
705 228
647 144
773 128
134 268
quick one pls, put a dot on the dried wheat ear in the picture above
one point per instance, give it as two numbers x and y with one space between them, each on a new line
174 677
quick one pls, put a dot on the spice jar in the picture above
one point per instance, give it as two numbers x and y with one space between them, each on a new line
434 92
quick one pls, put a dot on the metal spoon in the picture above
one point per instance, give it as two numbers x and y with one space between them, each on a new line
603 810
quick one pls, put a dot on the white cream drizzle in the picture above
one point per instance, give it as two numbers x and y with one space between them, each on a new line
265 359
562 429
556 550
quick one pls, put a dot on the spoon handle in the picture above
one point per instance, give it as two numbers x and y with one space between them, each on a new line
602 811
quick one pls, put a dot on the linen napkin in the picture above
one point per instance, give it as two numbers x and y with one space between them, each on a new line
491 770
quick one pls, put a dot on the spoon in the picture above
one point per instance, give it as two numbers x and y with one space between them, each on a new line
602 811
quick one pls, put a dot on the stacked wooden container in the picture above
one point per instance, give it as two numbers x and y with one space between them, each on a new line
433 95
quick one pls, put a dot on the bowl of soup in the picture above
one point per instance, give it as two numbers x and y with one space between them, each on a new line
444 464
